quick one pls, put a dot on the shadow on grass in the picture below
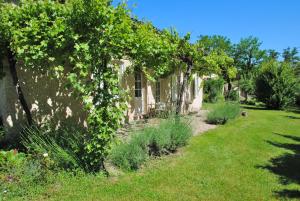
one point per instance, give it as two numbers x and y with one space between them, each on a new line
286 166
294 110
288 193
292 117
252 107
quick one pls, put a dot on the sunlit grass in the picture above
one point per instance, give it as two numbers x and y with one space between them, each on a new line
250 158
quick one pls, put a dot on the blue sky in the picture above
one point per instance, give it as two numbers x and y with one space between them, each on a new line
275 22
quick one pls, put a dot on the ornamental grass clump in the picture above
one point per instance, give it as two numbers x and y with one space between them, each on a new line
63 146
164 139
222 112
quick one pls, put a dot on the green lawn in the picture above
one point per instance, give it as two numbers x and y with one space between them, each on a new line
251 158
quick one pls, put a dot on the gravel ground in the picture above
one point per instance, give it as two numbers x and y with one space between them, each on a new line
197 121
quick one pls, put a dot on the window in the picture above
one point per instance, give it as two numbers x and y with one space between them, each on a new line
138 85
157 92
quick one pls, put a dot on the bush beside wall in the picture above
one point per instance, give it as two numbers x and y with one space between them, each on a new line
151 142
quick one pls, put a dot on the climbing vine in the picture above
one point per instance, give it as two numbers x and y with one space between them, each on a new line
81 40
78 40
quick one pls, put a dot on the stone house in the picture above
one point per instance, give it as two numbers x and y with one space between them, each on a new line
49 100
147 96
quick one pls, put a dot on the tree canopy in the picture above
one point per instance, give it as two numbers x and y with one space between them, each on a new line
248 54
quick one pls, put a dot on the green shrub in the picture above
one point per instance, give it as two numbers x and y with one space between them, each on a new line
232 95
249 102
160 140
213 90
129 156
180 132
152 141
223 112
276 85
11 159
19 172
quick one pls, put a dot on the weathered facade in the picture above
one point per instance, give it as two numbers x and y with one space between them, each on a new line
49 100
147 95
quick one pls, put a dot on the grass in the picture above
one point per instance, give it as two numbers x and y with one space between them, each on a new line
250 158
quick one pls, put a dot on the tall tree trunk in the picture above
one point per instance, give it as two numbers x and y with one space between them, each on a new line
186 77
13 71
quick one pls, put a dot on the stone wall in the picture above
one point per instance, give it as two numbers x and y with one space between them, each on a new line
48 100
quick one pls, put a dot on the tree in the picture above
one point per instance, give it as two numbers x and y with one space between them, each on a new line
219 48
216 42
272 54
152 50
188 56
276 84
248 55
290 55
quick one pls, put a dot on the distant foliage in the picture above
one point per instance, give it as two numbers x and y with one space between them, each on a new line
232 95
152 141
223 112
247 84
213 90
276 85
